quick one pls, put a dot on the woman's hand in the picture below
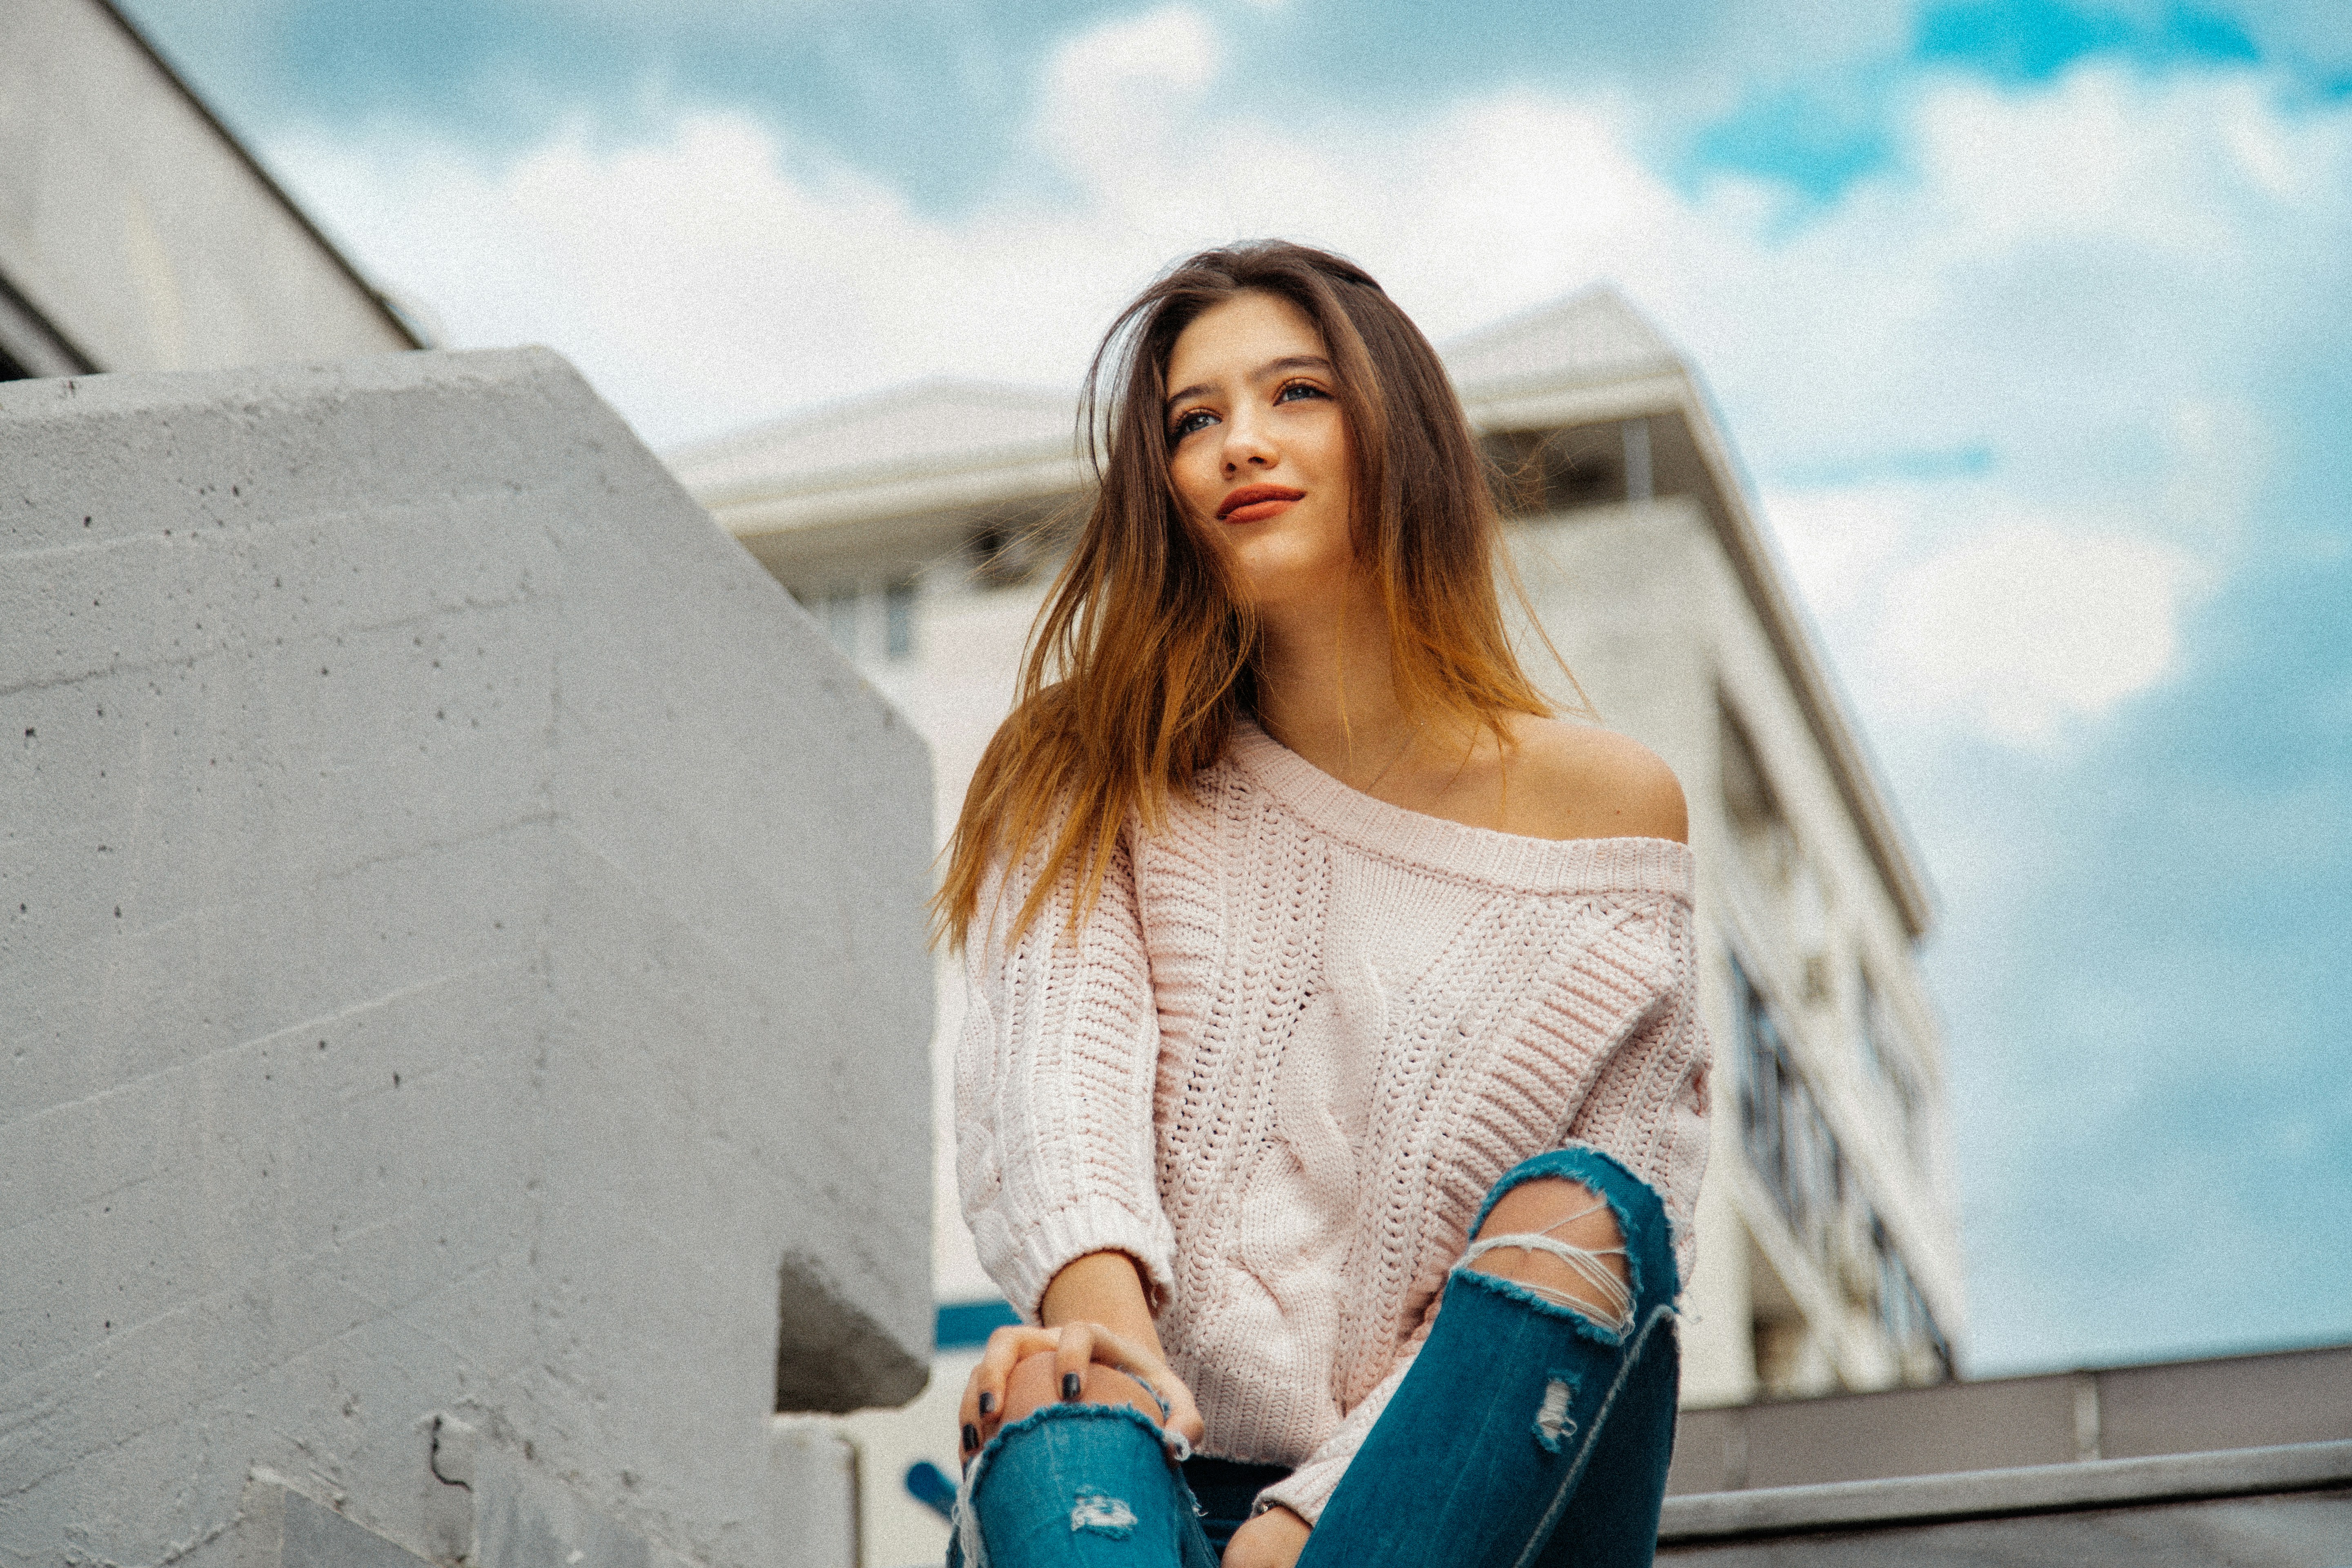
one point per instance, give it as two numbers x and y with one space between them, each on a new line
1086 1362
1273 1539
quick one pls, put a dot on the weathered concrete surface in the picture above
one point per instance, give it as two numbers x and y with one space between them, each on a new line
459 935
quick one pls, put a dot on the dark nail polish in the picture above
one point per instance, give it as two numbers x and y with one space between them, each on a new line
970 1437
1070 1386
988 1403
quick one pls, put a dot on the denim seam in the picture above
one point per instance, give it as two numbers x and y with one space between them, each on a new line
1591 1434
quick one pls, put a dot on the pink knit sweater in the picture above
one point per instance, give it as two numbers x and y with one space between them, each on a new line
1301 1035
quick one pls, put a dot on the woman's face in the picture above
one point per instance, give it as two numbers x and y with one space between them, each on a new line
1258 449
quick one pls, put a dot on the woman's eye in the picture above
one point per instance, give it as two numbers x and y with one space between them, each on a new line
1302 388
1197 419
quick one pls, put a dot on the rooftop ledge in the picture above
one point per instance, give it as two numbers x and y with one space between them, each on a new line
1995 1494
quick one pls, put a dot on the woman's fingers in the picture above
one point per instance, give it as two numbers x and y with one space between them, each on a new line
1146 1367
1183 1414
1074 1354
983 1409
1074 1348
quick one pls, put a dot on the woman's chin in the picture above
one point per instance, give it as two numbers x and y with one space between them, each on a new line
1271 580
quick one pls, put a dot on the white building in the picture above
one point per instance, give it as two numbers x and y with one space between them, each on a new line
922 526
136 234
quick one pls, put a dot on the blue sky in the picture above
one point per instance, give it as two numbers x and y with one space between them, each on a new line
2029 319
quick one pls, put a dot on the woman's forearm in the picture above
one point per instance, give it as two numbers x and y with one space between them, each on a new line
1104 1287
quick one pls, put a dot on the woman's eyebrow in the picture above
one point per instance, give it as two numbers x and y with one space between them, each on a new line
1270 369
1290 362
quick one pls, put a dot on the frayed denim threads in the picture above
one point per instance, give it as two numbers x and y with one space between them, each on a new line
1635 1204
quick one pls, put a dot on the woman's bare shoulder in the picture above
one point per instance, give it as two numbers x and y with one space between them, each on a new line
1573 780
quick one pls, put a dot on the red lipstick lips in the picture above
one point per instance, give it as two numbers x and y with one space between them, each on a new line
1255 503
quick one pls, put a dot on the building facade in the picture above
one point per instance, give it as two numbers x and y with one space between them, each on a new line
137 234
921 528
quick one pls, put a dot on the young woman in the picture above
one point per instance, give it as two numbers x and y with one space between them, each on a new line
1332 1098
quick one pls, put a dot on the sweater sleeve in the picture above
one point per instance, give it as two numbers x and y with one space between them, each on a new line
1054 1073
1648 1106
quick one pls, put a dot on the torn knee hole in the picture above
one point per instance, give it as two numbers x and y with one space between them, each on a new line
1560 1240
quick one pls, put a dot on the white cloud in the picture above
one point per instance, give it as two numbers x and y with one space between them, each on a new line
1119 97
1174 47
2085 278
1952 606
2025 628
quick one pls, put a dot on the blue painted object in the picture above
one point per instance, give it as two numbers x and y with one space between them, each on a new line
929 1485
963 1325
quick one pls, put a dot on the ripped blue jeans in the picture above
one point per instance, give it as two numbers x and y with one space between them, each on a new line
1527 1434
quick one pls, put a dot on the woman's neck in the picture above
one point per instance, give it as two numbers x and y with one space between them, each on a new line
1327 685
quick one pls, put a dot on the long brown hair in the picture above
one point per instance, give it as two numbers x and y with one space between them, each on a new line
1140 662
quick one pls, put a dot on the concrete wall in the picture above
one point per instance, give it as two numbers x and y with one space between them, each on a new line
1630 595
135 231
463 1003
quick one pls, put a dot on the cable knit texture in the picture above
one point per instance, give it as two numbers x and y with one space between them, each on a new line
1288 1053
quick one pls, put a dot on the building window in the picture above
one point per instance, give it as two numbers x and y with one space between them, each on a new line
1902 1312
1539 472
898 619
1788 1141
1884 1053
841 619
1010 545
1793 1149
1758 821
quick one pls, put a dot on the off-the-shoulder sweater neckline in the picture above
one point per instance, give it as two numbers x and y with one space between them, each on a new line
1478 854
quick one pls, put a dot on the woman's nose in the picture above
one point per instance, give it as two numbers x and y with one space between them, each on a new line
1247 445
